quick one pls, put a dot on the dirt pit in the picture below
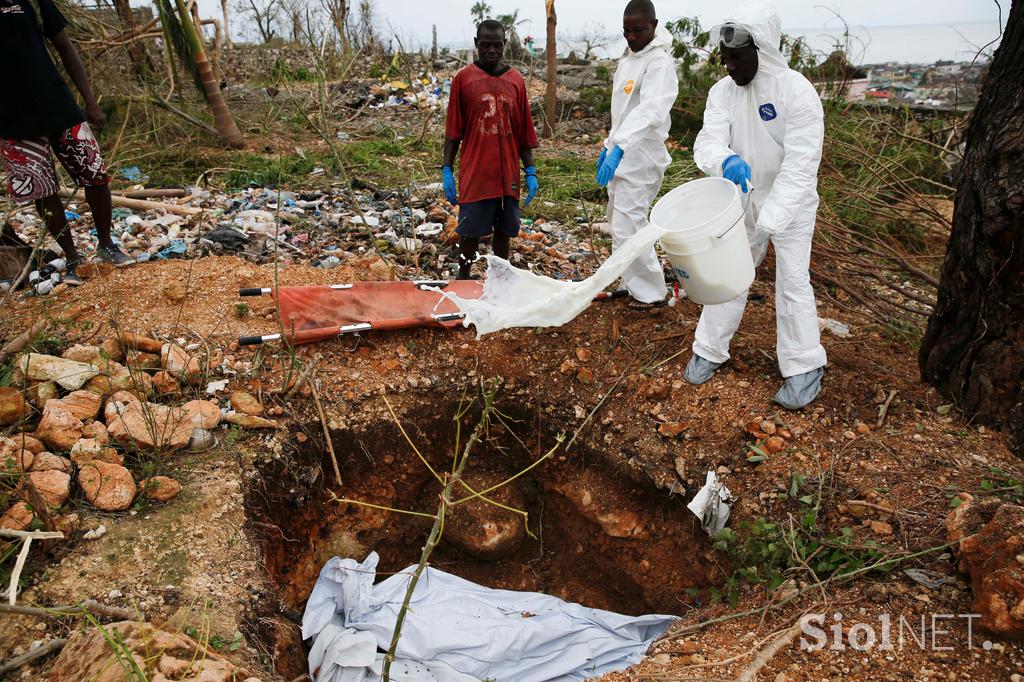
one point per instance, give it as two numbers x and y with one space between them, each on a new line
589 536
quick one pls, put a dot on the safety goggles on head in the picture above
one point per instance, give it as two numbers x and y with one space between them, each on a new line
731 35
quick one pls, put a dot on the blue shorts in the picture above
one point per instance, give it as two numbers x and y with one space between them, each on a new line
481 218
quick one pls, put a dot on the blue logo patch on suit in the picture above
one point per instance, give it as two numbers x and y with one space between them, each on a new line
767 111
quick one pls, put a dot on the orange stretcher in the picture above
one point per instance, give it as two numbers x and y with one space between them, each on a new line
317 313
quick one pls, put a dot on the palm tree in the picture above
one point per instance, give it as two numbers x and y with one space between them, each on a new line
480 11
185 40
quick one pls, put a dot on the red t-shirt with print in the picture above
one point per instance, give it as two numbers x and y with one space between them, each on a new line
491 116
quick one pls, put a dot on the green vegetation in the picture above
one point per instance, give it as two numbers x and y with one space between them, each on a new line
769 552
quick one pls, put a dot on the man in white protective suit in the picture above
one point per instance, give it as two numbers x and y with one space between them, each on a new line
633 161
763 129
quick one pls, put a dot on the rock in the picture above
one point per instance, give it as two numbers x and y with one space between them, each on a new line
117 377
41 391
568 367
18 517
18 461
172 656
13 407
66 523
481 529
877 593
881 528
83 404
112 350
248 421
53 486
246 403
774 444
97 430
656 390
202 414
159 488
69 374
47 461
863 428
139 361
768 427
989 536
142 343
182 365
59 429
90 355
108 487
585 376
672 429
165 384
27 442
147 426
616 521
88 449
584 354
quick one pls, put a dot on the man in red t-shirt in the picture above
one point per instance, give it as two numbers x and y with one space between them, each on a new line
489 118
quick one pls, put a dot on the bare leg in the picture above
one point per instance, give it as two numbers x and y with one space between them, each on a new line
468 247
52 212
99 201
500 244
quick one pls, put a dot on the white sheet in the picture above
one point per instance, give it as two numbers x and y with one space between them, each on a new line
519 298
458 631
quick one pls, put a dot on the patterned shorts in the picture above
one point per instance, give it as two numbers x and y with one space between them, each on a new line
31 174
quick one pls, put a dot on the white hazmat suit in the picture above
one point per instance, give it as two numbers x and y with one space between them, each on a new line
643 92
775 123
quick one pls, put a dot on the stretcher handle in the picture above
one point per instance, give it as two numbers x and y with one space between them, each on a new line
250 340
253 291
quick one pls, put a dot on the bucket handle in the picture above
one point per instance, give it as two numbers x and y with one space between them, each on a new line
743 213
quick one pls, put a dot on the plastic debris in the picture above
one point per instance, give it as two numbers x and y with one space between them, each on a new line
834 327
711 505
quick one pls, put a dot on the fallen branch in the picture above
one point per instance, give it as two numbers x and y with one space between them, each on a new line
885 408
26 537
327 432
167 106
19 343
749 674
140 205
90 605
40 651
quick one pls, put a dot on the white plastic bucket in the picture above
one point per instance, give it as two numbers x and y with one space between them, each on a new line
706 240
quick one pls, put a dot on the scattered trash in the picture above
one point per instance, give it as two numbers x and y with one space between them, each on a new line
711 505
95 533
215 387
834 327
132 174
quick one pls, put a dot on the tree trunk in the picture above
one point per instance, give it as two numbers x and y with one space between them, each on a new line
973 350
136 50
433 46
222 120
552 57
227 26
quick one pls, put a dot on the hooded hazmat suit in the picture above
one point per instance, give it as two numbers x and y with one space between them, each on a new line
643 92
775 123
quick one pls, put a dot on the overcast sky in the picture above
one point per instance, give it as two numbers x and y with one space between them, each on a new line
412 19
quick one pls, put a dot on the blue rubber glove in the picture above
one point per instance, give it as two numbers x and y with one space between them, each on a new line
531 184
448 183
736 169
600 161
607 170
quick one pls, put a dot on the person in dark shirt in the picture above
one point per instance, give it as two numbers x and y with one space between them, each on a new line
47 121
489 117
